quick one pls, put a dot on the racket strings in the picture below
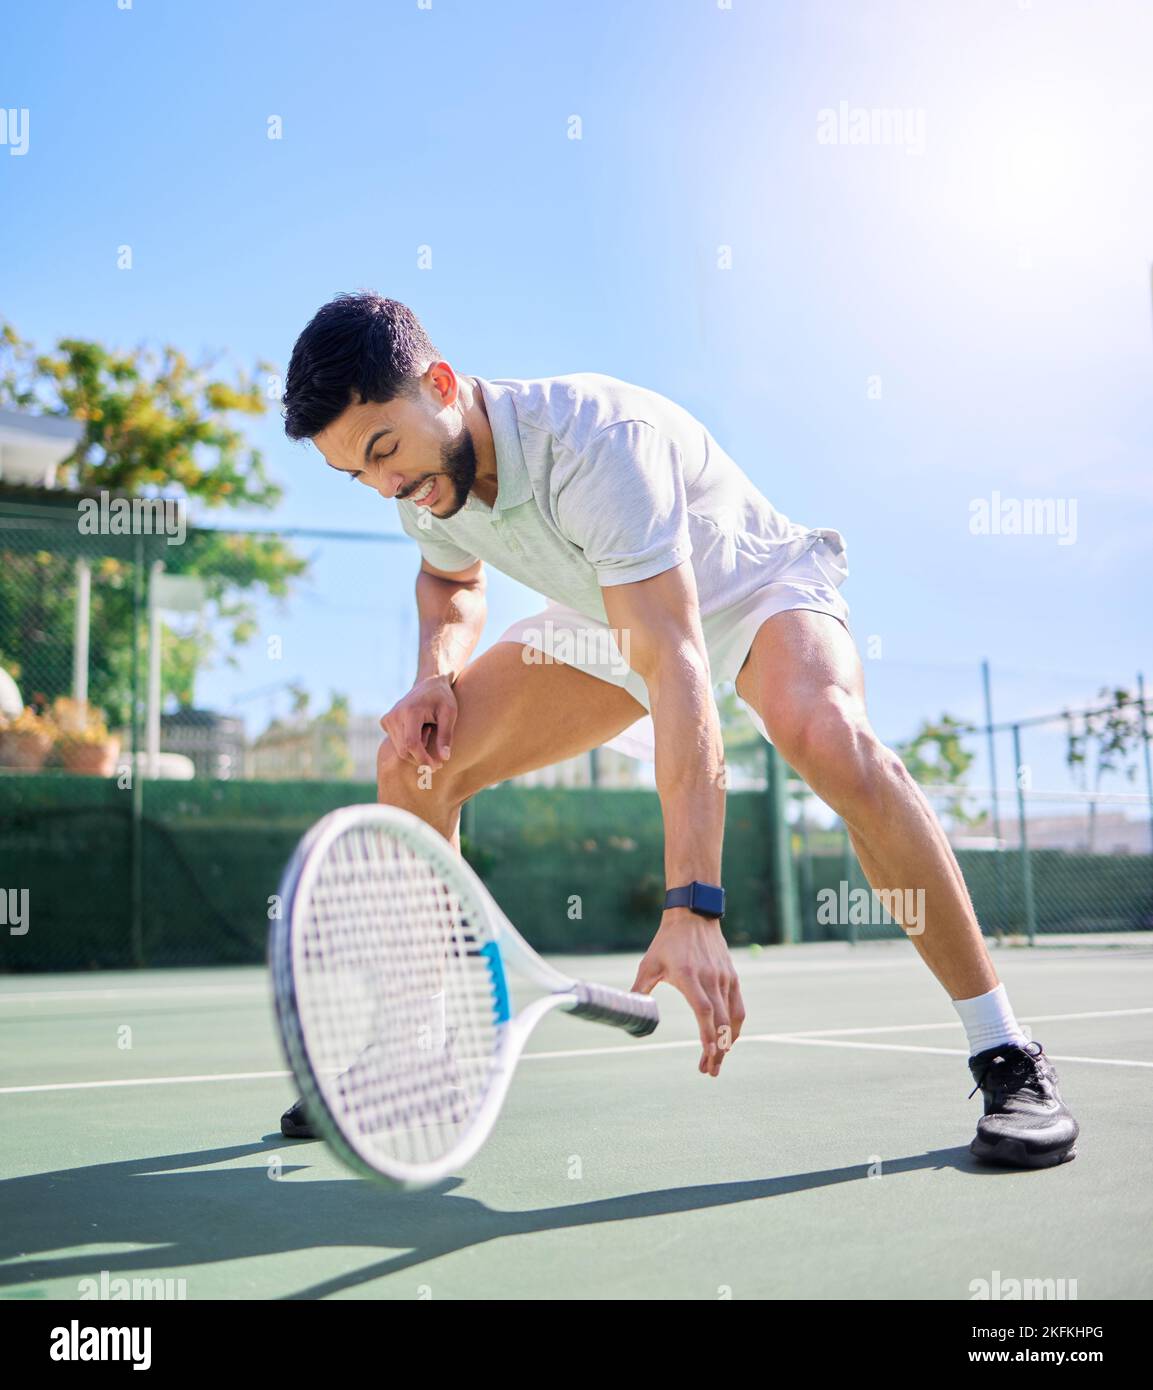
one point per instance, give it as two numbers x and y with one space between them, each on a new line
396 998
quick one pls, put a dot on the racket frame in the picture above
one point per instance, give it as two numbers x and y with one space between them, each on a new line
509 949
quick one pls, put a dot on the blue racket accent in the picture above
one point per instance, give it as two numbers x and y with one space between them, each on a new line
491 952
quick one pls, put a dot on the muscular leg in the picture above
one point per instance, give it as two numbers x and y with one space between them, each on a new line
803 677
514 716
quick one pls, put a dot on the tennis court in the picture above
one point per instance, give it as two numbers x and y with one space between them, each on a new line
140 1126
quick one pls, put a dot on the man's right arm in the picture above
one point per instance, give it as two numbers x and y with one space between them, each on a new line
451 608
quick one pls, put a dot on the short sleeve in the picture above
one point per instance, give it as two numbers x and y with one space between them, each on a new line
622 500
440 552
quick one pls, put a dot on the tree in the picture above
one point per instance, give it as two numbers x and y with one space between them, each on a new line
307 745
155 424
936 757
1102 741
152 420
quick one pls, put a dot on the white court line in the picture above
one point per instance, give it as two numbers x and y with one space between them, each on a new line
808 1040
574 1053
776 969
829 1037
72 996
939 1051
952 1023
143 1081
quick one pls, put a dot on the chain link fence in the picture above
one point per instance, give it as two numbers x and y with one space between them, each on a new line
1063 844
198 648
148 807
162 747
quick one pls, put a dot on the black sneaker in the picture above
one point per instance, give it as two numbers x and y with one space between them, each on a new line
295 1124
1026 1123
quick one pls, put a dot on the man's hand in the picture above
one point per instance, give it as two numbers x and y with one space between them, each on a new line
690 953
431 701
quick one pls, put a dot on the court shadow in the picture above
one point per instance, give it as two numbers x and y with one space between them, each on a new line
67 1223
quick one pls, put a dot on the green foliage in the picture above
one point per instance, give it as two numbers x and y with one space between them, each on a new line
234 566
319 742
332 726
152 421
936 757
1104 740
37 606
154 424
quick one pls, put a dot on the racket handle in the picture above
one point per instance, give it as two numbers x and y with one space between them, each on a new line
635 1013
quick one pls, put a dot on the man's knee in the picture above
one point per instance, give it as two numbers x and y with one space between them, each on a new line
831 744
400 782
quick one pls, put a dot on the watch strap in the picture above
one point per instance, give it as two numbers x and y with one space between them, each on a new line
705 899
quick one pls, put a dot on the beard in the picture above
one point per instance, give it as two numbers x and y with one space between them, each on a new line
458 464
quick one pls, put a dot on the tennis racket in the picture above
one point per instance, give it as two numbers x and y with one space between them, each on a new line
389 966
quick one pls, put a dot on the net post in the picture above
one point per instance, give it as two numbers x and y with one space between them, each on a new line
783 917
999 861
805 868
1026 862
1145 744
136 859
847 870
81 622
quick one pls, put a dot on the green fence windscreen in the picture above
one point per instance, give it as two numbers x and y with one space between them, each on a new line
575 869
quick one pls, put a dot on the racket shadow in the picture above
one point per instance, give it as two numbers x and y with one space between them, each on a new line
472 1223
183 1211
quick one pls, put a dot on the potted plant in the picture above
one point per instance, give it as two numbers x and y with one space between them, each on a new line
25 740
83 743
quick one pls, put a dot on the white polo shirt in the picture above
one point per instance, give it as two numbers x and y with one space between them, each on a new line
602 483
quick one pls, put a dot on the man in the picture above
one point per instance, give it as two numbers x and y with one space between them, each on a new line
667 571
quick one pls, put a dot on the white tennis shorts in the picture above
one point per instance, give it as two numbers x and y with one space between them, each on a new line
812 582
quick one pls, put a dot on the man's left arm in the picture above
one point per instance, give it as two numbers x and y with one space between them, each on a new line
658 628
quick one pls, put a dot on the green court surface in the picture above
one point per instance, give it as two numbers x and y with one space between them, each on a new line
828 1161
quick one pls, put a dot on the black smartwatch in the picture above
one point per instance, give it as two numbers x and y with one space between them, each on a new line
705 899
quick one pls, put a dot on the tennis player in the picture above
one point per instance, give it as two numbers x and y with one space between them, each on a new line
665 571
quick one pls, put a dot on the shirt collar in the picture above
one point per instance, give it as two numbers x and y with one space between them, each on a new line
514 485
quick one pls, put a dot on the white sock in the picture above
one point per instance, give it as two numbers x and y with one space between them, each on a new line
989 1021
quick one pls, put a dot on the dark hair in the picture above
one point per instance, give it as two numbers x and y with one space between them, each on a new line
358 347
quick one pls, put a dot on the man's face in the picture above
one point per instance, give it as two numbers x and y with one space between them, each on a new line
403 446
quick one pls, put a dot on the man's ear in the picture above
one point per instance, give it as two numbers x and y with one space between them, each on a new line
444 383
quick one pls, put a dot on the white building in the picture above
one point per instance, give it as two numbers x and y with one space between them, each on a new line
32 447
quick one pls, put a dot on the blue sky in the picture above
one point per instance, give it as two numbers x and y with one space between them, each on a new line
908 324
